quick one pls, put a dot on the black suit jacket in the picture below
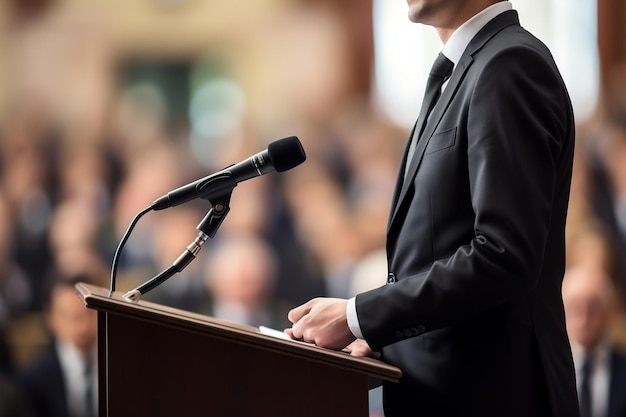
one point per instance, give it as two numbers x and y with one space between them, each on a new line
472 312
12 403
44 386
617 385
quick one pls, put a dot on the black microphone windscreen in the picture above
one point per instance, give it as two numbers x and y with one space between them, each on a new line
286 153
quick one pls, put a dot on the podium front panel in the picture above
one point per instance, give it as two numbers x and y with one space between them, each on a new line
156 370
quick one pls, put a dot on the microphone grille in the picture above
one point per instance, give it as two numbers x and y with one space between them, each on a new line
286 153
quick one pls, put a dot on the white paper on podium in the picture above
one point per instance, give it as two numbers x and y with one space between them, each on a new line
273 332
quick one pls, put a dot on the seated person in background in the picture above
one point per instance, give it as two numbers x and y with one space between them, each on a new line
63 381
240 277
590 302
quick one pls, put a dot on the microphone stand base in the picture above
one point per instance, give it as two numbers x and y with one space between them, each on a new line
133 295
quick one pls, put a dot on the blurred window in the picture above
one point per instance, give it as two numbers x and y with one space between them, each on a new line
404 52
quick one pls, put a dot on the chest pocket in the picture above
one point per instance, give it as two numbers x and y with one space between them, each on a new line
441 141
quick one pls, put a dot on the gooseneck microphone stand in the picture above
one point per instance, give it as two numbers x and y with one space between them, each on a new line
207 229
220 206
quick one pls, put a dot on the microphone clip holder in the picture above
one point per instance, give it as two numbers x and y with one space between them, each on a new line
207 228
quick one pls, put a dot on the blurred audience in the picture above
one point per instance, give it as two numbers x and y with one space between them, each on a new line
322 219
12 402
16 290
609 180
62 382
240 277
591 307
173 231
592 289
27 160
602 149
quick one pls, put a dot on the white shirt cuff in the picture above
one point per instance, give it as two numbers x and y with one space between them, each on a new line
353 319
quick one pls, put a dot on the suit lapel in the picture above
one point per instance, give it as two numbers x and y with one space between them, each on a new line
431 124
491 29
400 180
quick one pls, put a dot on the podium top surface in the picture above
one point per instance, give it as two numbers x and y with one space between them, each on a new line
98 298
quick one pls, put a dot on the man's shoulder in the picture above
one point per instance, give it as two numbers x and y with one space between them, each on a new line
45 367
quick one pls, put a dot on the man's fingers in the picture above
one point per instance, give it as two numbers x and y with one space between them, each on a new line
360 348
322 321
297 313
296 331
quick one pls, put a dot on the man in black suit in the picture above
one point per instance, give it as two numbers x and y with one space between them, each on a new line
472 311
63 381
591 306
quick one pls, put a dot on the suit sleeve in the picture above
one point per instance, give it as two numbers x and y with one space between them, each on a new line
517 128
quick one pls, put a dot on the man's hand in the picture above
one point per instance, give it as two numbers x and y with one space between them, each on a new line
361 349
321 321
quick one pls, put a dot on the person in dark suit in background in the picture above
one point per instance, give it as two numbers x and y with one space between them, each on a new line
472 311
591 304
63 381
12 403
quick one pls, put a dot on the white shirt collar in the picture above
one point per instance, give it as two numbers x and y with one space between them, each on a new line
454 48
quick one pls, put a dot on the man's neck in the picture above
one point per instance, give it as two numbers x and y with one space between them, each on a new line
465 12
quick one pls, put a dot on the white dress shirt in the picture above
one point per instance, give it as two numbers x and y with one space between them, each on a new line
73 366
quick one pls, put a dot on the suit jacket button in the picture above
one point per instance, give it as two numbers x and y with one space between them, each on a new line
420 329
408 333
391 278
399 335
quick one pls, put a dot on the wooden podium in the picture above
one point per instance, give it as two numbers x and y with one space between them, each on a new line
159 361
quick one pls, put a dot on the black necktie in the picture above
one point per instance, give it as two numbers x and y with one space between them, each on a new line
584 396
439 73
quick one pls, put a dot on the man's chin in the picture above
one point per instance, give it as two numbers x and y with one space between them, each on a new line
415 13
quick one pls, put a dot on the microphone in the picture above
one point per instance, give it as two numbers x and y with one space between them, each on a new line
280 155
